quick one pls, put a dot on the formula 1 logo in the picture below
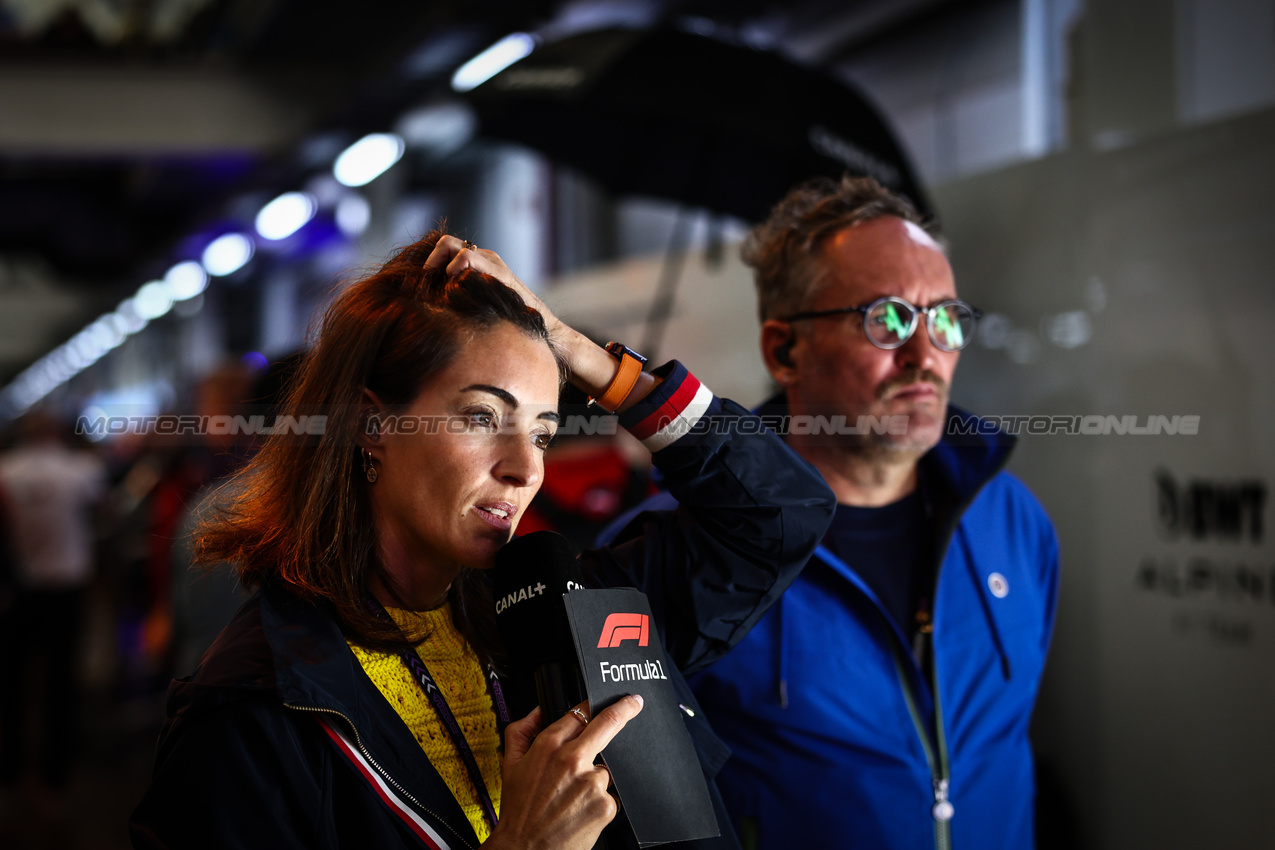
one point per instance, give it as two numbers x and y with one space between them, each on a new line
622 627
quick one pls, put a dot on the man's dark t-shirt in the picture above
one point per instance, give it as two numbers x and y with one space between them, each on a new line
889 548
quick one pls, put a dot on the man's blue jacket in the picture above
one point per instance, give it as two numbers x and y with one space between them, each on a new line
831 719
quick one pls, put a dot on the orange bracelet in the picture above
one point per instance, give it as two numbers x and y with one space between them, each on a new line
625 379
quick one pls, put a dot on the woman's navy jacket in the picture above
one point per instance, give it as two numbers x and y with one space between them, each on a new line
279 740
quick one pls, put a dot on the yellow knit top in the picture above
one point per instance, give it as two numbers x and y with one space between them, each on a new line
459 674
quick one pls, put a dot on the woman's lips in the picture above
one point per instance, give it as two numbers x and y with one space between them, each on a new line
497 514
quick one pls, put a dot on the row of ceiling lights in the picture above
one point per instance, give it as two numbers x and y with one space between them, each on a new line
358 165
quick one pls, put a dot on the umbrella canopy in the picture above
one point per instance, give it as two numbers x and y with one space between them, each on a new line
677 115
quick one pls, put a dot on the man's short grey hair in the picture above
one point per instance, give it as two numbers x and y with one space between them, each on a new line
783 250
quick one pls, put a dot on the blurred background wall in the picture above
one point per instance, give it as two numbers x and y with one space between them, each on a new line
1101 170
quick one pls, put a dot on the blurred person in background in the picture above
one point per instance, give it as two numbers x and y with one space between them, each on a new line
308 722
49 491
885 701
159 476
192 461
201 600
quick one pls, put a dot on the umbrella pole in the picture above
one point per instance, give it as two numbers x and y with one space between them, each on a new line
670 273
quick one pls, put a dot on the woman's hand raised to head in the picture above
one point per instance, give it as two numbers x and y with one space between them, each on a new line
554 795
592 368
455 256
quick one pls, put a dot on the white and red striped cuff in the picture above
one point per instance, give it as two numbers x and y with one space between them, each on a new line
671 410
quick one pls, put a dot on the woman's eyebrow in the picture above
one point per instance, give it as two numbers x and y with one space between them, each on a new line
510 401
502 394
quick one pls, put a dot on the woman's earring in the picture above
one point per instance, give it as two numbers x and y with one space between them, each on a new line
368 469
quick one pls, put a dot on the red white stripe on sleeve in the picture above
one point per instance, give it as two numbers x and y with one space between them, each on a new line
675 417
388 795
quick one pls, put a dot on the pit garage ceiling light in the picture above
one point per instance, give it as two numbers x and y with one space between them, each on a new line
285 215
153 300
119 325
353 214
105 335
133 320
227 254
185 280
439 128
368 158
492 61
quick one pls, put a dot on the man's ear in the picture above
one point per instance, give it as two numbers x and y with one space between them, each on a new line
371 419
777 341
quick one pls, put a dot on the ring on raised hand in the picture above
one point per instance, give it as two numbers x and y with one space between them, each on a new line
470 246
580 714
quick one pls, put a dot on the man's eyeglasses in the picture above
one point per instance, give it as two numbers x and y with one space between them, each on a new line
889 322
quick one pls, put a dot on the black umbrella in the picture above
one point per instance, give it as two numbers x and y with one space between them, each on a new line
672 114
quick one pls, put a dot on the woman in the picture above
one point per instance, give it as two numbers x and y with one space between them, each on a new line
309 723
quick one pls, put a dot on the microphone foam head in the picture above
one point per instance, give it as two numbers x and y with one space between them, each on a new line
528 581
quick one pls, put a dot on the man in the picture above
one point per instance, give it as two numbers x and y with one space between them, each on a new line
885 701
48 492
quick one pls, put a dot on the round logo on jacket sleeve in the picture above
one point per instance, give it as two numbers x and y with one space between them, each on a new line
998 585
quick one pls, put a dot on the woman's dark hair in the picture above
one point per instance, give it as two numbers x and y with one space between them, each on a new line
299 513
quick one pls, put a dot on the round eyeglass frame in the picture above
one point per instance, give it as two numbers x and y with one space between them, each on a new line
931 312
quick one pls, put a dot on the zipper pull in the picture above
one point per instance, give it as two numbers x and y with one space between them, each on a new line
943 808
922 635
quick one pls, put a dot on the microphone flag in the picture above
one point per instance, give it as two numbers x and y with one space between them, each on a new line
653 762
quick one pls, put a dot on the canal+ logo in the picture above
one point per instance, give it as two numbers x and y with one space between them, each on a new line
622 627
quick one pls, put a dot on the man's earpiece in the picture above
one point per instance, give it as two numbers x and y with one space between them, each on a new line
783 354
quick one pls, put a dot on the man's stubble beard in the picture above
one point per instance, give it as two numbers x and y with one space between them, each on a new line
891 449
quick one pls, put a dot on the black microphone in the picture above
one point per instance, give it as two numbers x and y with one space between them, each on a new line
528 581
